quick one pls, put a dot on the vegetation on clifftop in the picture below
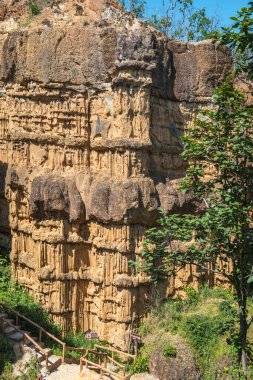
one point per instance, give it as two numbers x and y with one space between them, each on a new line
179 19
206 320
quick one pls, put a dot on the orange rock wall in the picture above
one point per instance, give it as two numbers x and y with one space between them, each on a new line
90 125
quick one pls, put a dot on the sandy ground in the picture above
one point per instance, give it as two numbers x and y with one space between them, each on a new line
71 372
65 372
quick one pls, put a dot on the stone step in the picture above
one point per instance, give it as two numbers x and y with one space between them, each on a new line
41 356
5 322
31 345
53 362
9 330
17 337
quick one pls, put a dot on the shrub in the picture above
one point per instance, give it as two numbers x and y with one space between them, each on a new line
169 351
6 353
7 372
192 296
200 329
78 340
214 292
31 370
34 8
140 365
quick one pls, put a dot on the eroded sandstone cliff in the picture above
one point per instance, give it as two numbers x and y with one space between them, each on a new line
92 106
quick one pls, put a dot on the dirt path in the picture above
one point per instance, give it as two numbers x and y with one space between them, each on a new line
65 372
72 372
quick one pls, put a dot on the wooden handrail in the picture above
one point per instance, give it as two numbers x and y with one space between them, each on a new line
75 349
94 352
33 323
41 329
102 369
27 336
117 363
115 350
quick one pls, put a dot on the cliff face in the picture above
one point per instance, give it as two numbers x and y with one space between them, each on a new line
91 114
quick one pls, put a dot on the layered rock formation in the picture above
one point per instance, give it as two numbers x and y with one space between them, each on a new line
92 106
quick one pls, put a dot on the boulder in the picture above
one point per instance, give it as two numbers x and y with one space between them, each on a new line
55 197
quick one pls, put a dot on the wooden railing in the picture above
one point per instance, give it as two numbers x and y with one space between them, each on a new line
102 364
41 329
28 337
115 351
103 357
106 358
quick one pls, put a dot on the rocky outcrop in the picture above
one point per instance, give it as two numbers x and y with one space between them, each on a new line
54 197
183 367
92 106
179 364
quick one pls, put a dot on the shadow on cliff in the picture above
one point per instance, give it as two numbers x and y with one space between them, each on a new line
5 232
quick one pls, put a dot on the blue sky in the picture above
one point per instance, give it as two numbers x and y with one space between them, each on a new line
224 8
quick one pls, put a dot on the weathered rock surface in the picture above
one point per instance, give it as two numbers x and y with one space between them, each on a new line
54 197
92 106
143 376
181 367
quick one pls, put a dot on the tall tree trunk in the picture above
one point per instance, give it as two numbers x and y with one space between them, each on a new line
243 340
242 303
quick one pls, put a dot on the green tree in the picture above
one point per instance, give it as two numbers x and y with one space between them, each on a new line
138 7
135 6
181 20
221 143
239 37
200 26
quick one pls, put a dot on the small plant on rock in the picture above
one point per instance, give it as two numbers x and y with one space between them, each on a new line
169 351
141 365
34 8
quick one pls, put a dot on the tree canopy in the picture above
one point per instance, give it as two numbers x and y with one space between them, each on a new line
179 19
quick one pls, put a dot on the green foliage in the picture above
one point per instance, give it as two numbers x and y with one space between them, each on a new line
235 373
177 18
7 372
192 295
199 329
140 365
17 298
168 351
203 324
180 20
239 37
6 353
138 7
31 370
34 8
78 340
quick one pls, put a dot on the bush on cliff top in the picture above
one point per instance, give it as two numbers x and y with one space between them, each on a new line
207 322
